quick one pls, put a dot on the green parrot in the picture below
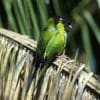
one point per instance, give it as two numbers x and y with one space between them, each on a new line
51 43
45 37
56 45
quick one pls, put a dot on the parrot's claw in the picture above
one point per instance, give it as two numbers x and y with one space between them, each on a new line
62 56
61 59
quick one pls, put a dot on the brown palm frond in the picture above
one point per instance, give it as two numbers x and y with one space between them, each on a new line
16 59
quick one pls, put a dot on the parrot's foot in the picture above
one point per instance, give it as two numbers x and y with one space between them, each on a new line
62 56
61 59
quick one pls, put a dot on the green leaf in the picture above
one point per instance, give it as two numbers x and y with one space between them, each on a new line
43 10
21 11
57 7
93 25
7 5
98 1
86 42
34 19
0 22
18 18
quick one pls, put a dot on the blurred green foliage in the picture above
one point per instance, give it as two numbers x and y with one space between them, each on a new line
28 17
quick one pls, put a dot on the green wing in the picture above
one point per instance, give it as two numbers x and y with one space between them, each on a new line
55 46
43 41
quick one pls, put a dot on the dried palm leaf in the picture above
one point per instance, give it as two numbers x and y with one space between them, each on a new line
16 59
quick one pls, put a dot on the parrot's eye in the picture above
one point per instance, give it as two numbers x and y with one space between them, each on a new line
60 19
57 19
69 26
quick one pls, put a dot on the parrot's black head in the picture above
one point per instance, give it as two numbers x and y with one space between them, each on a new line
68 26
66 23
58 19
